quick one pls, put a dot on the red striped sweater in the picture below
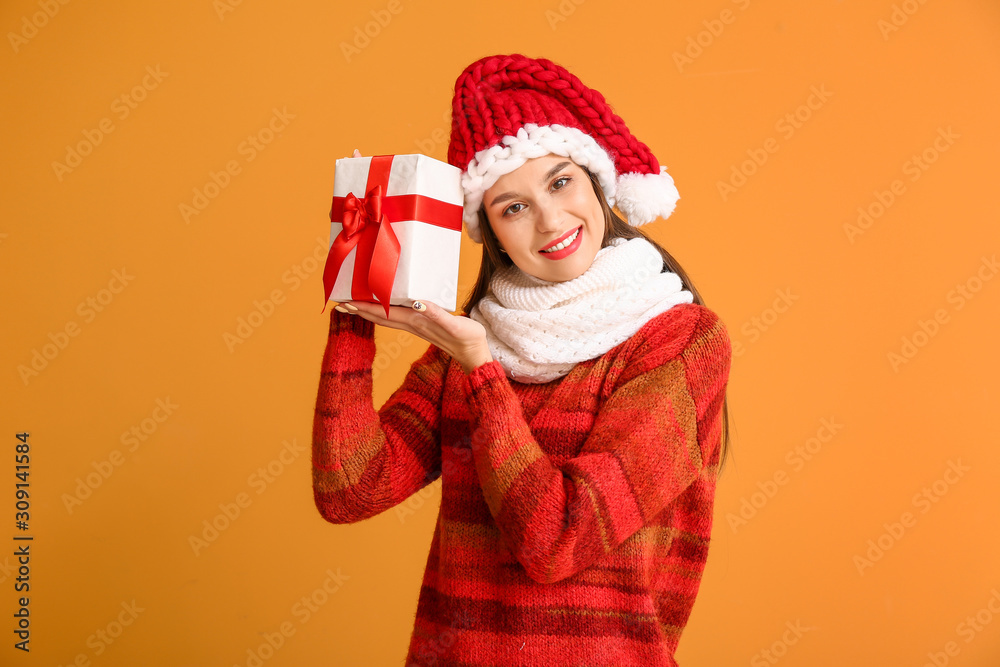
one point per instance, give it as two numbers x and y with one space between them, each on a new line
575 515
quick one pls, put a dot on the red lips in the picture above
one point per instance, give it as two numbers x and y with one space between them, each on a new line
562 238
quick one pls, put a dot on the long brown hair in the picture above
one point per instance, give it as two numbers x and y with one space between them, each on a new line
614 227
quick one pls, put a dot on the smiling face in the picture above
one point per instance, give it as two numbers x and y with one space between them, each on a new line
547 203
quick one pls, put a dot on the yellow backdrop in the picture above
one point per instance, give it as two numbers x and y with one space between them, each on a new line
166 181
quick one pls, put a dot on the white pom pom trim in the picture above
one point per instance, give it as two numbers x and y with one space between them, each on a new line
646 197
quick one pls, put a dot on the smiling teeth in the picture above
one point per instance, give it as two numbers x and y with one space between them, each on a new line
564 243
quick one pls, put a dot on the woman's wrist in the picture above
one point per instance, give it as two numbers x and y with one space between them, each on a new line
475 360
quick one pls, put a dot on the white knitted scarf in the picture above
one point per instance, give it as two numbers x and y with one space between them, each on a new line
539 330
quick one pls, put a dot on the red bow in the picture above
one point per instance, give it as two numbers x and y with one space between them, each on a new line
361 212
365 226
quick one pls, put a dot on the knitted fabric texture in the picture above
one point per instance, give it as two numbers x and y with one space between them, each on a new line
538 330
508 109
575 515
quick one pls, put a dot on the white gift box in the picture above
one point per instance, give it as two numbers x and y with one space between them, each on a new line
427 268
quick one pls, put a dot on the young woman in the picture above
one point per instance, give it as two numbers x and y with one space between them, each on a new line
574 410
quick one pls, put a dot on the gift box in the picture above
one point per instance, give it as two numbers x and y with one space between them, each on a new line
395 231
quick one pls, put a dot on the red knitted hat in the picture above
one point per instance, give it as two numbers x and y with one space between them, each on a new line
509 109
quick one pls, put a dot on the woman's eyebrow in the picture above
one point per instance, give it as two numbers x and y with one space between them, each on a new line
502 197
555 170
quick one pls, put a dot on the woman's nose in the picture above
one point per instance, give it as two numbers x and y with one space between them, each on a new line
549 217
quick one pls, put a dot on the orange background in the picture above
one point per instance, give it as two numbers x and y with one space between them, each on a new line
163 335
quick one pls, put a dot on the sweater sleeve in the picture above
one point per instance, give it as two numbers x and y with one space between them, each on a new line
365 462
642 451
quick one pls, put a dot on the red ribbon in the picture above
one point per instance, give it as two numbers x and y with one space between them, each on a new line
366 226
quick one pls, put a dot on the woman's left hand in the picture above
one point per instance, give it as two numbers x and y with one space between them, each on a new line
462 338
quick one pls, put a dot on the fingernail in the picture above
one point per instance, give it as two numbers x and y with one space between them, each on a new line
341 309
351 307
419 306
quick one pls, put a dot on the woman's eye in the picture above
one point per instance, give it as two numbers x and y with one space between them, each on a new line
560 183
511 210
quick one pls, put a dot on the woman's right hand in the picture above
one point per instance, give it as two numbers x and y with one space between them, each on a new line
462 338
